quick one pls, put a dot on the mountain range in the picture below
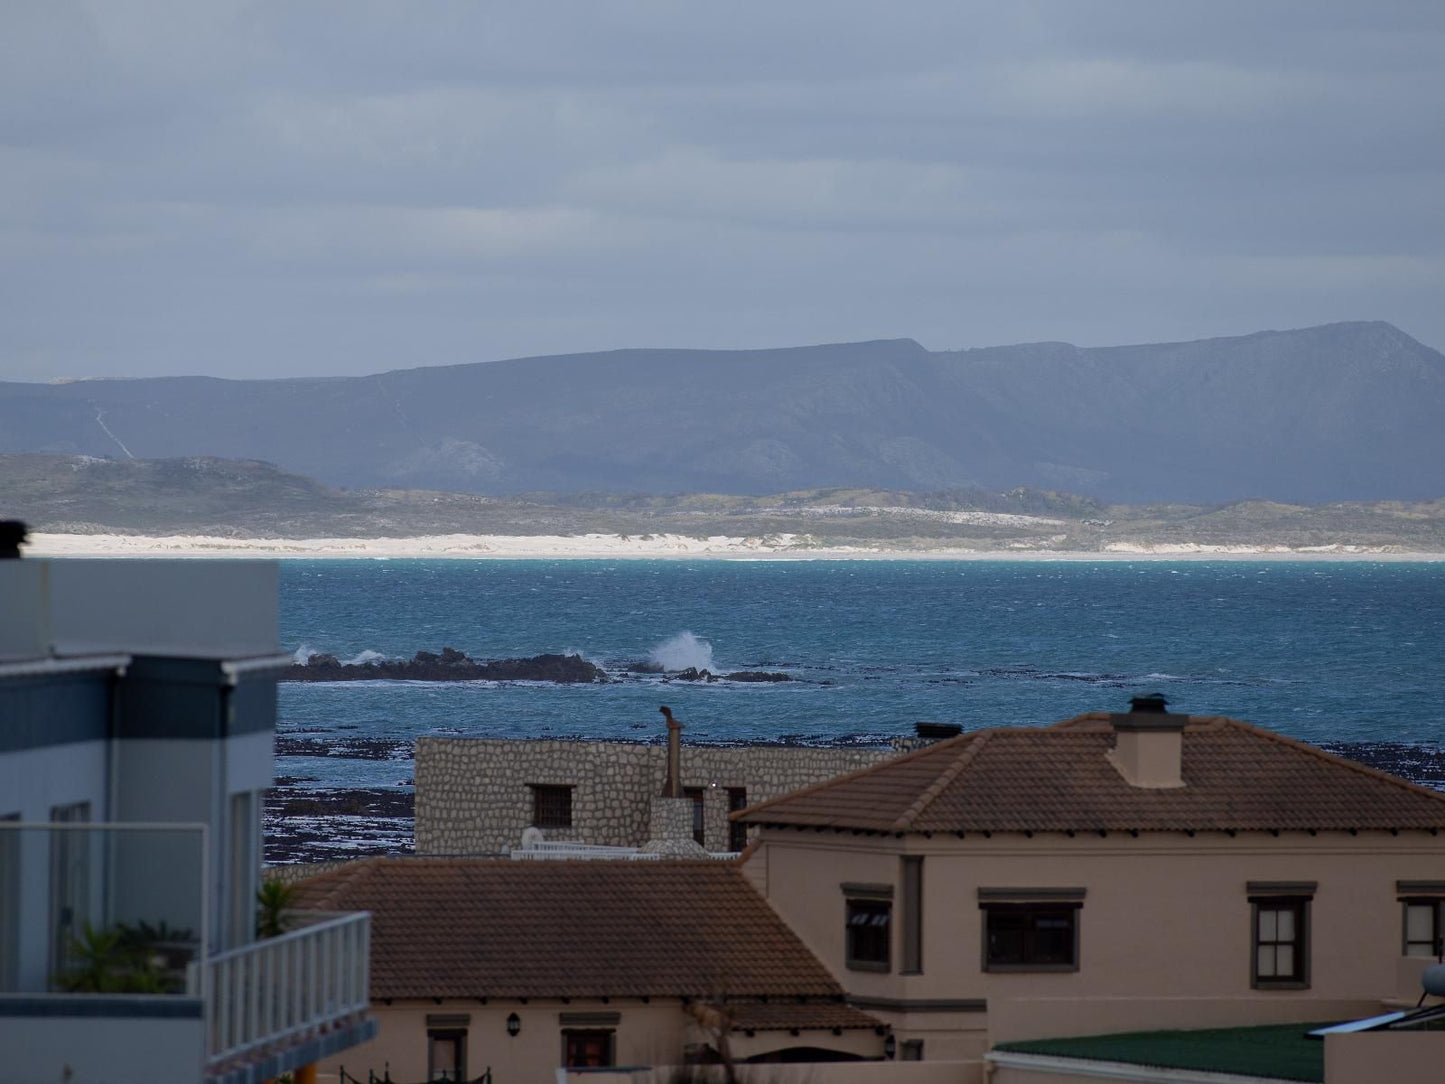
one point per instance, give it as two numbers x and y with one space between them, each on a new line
1349 411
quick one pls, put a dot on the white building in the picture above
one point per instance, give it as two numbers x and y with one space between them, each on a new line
137 718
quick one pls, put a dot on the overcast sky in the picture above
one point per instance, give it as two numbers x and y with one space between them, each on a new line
297 188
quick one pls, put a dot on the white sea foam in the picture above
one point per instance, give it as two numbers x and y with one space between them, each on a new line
363 658
303 655
681 651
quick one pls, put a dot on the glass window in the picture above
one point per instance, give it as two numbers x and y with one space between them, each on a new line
1279 941
1422 928
911 1050
1031 935
446 1057
551 805
868 934
590 1048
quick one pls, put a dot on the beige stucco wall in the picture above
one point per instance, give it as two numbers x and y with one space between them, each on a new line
1165 916
1399 1057
651 1034
472 794
647 1034
867 1072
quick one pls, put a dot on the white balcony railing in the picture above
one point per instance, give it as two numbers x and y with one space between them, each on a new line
275 991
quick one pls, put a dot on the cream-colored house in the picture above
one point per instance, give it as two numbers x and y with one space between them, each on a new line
1111 873
522 968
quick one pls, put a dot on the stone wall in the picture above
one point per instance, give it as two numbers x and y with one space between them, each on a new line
474 795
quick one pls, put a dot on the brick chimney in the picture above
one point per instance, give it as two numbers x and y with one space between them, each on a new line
1149 744
672 788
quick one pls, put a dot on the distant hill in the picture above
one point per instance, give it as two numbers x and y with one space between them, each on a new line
245 499
1350 411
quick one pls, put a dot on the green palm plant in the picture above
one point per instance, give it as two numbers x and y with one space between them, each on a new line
273 899
105 964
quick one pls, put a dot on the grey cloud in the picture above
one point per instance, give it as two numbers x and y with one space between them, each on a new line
272 189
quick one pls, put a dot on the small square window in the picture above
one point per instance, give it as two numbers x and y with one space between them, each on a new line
1031 936
591 1048
911 1050
869 939
551 806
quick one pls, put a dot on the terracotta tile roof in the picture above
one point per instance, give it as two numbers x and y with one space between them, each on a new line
784 1016
457 927
1237 777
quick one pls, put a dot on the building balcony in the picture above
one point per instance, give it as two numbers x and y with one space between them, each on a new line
109 970
290 1000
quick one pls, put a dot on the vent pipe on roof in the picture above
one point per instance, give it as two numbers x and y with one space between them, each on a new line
672 788
1149 744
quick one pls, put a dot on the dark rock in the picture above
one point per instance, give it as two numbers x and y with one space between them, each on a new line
450 665
565 669
757 675
645 666
692 673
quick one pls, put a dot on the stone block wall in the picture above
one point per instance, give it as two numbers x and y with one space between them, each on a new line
474 796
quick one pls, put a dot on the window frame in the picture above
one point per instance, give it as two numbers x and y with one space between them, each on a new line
1296 896
1035 908
1429 894
863 899
580 1034
457 1037
546 799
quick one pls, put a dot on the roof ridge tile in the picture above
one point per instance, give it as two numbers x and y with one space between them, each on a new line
947 776
858 773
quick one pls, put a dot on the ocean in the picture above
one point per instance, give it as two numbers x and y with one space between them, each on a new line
1322 651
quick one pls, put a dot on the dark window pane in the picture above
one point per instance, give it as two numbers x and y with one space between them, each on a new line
868 940
551 806
588 1049
1025 934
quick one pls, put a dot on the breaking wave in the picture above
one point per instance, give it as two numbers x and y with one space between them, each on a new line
681 651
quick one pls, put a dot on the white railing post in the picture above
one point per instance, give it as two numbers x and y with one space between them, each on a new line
286 986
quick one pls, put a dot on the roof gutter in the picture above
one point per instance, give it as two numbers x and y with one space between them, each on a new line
235 669
1115 1071
51 665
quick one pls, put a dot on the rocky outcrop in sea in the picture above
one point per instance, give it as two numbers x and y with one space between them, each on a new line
450 665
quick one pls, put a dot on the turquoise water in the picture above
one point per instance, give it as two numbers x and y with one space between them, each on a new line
1319 651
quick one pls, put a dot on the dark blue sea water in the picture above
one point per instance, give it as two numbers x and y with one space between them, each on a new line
1320 651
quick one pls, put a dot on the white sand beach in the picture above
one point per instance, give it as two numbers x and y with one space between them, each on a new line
655 546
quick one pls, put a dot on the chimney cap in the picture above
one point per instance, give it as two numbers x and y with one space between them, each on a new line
13 534
938 731
1149 712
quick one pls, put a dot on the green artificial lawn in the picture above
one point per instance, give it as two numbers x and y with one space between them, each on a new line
1282 1051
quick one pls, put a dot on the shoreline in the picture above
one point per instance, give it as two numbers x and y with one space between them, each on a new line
594 547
